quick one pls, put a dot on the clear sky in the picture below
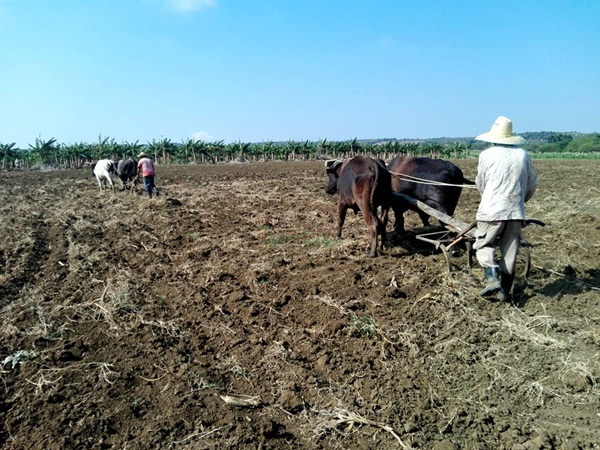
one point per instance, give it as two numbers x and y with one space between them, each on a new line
261 70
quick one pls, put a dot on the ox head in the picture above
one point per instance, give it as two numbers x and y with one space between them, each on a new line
332 168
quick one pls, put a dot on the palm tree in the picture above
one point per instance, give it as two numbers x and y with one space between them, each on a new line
266 150
354 147
187 150
458 150
105 148
410 148
324 148
238 148
201 149
131 149
165 148
292 148
216 150
7 154
305 150
43 151
434 150
77 153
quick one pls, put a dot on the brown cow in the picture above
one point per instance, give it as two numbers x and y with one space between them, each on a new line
440 197
364 184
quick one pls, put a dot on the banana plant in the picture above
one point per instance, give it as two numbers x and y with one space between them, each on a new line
164 149
324 148
131 149
266 150
43 151
8 155
216 150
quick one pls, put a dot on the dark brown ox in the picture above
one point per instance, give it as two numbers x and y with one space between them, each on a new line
364 184
127 172
424 170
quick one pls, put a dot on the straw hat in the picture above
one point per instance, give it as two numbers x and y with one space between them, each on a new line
501 133
142 155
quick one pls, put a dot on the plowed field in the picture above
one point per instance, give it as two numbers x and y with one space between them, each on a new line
225 314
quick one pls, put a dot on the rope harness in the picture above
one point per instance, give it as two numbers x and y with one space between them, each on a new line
333 163
412 179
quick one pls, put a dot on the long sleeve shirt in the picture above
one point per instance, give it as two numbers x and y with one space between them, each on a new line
506 180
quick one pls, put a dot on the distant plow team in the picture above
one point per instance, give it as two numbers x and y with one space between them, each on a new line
128 171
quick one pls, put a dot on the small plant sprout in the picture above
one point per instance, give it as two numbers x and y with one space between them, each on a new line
365 325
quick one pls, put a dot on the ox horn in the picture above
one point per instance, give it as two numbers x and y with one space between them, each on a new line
331 163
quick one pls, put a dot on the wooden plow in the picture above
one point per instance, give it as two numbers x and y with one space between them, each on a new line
458 233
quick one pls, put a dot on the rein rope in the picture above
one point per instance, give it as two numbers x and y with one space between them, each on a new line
412 179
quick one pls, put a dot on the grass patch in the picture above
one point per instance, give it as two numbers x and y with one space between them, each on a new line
281 239
321 242
365 325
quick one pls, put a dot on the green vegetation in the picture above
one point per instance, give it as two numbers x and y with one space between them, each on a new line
365 325
50 154
566 144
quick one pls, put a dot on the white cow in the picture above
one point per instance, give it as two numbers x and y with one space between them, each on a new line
104 171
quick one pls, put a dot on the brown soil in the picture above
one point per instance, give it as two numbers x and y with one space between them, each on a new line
126 322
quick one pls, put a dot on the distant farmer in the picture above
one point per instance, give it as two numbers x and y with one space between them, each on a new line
145 168
506 180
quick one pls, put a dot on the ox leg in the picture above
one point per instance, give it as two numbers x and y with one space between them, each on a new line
399 210
99 182
424 218
399 222
341 219
374 225
383 226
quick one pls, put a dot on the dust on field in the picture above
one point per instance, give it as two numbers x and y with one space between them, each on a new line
225 313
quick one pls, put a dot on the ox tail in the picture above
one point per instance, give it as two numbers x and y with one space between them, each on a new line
374 188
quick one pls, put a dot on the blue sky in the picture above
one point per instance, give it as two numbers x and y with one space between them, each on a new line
281 70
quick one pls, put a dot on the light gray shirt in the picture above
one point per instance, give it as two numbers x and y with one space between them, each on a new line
506 180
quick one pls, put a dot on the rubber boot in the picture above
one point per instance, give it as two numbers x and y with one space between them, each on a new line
506 281
493 282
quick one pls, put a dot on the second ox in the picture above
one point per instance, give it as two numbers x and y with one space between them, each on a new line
427 180
104 170
364 184
127 171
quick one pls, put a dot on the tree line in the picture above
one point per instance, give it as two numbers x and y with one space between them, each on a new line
44 154
50 154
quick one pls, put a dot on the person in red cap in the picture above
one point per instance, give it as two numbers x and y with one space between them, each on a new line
506 180
145 168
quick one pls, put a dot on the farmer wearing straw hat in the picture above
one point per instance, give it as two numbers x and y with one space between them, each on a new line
506 180
145 168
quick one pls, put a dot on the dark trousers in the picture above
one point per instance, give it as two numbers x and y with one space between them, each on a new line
149 184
